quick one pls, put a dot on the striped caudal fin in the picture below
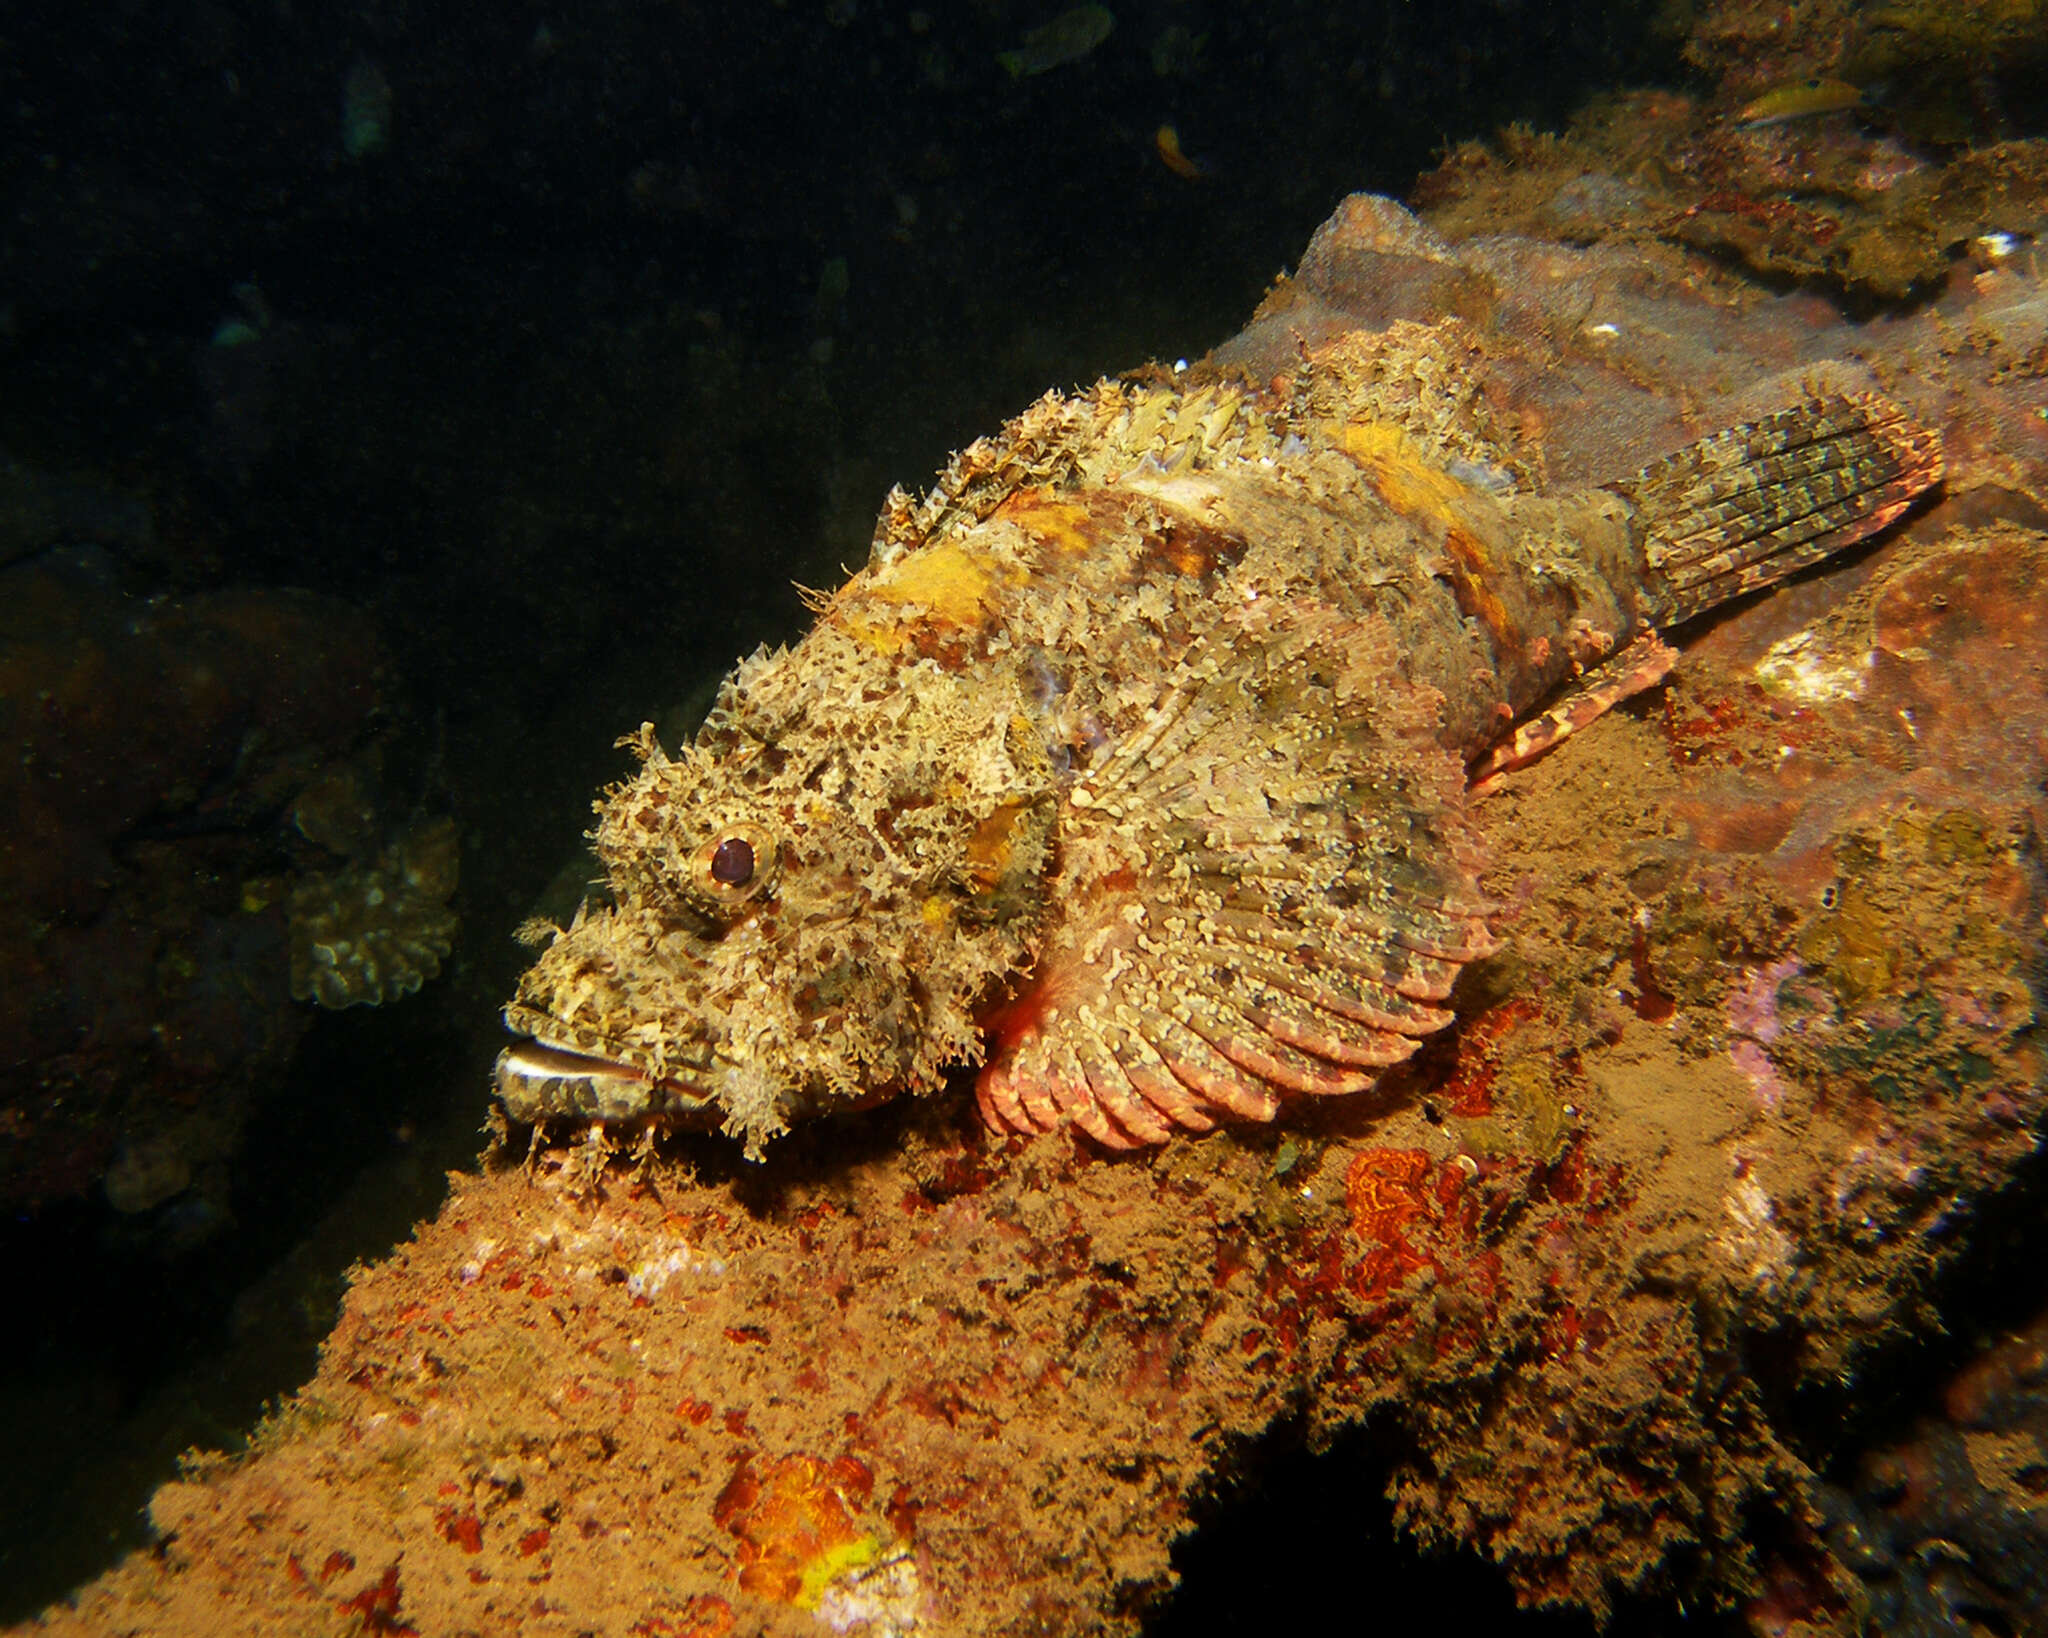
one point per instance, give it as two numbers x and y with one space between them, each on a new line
1761 501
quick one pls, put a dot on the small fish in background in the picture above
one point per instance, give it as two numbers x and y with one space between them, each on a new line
1166 142
238 371
1177 53
1067 38
1799 99
365 110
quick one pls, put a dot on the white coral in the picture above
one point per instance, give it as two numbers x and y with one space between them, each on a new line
372 933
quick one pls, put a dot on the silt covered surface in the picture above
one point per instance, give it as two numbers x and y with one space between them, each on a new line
1758 1050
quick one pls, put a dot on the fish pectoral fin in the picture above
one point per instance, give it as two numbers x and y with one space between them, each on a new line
1266 891
1642 664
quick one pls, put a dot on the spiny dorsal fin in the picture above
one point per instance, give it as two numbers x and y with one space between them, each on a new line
1267 890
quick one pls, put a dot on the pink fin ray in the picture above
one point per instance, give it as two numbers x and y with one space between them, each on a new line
1159 1086
1265 891
1115 1094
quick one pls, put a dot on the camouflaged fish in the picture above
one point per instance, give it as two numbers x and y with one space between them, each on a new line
1134 766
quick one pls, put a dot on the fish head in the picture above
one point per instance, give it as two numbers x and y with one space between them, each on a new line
807 906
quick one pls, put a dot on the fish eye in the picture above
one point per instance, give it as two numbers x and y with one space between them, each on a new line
734 866
732 862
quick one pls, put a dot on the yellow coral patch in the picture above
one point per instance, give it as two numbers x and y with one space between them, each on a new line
833 1562
795 1526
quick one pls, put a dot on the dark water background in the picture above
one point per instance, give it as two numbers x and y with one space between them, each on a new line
559 342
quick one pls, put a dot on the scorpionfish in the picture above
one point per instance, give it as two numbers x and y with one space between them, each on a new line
1135 766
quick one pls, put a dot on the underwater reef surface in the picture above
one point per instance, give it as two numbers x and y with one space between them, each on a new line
189 784
1944 1527
1841 146
1759 1052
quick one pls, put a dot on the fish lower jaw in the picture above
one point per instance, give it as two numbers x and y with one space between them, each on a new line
537 1081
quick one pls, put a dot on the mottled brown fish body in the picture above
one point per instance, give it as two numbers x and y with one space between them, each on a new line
1133 764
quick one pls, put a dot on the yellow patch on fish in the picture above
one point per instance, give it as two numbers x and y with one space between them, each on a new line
1404 475
1413 485
992 845
1063 525
950 585
1473 571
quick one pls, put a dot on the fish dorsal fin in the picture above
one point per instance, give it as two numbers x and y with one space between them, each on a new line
1267 889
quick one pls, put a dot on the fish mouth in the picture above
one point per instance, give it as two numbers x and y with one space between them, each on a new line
537 1081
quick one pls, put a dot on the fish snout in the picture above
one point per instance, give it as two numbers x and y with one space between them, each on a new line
538 1082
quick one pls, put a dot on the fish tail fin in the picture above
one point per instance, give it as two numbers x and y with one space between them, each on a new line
1749 506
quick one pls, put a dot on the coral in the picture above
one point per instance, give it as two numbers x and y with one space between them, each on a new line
379 930
160 914
151 745
1935 72
1943 1528
1829 201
